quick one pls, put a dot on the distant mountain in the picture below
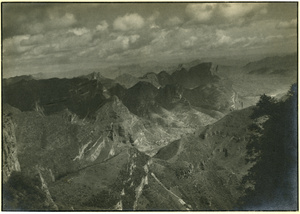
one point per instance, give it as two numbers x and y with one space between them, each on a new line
127 80
198 87
106 82
16 79
198 75
279 65
151 78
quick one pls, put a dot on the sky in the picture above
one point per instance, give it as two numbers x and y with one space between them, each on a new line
56 37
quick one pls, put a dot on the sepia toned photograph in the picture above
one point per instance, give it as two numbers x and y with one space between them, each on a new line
149 106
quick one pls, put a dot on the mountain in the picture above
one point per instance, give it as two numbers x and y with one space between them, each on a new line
164 78
140 99
106 82
118 90
103 158
127 80
81 96
14 80
217 97
277 65
199 87
100 160
196 76
151 78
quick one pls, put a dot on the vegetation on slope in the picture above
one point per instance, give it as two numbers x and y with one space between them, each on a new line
273 147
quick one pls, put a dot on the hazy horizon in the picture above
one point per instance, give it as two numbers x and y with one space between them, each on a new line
49 38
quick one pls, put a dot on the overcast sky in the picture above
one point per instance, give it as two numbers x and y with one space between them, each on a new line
48 37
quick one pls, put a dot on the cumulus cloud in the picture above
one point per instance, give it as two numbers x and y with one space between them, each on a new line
287 24
223 12
32 40
201 12
238 10
12 46
79 31
129 22
151 20
125 41
173 21
102 26
117 44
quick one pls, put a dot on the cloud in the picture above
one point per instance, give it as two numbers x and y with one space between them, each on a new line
173 21
287 24
222 38
116 44
12 46
221 13
125 41
190 42
32 40
129 22
201 12
52 21
151 20
153 17
79 31
102 26
238 10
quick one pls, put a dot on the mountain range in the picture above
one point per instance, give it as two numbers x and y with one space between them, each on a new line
179 140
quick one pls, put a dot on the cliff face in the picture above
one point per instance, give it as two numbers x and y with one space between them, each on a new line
10 155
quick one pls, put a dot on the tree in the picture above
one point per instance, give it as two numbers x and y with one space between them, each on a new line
274 174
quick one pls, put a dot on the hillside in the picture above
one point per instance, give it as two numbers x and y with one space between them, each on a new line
205 169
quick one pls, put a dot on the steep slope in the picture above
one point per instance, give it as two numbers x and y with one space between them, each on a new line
218 96
204 170
99 159
140 99
151 78
118 90
164 78
69 157
165 108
